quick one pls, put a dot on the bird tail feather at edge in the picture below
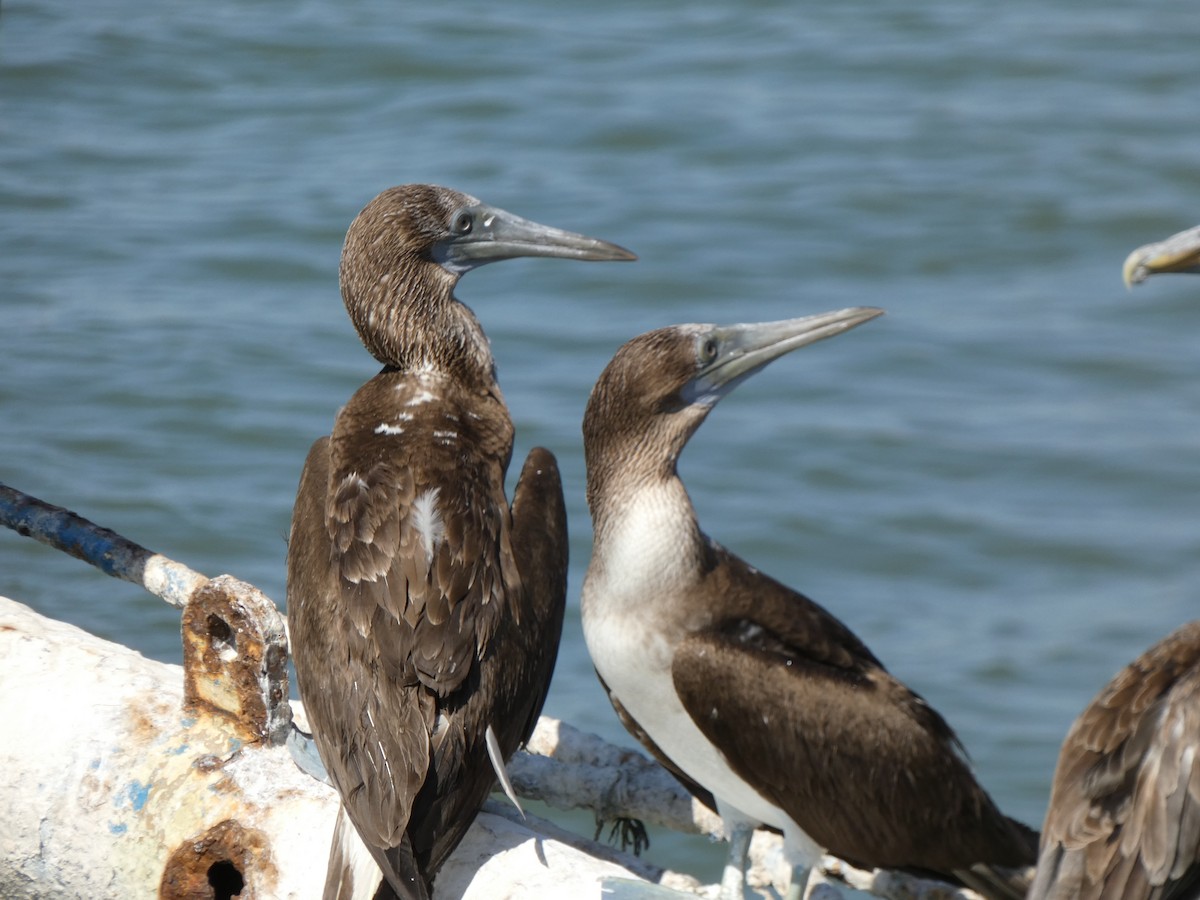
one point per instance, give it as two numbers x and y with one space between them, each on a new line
355 871
997 882
352 873
405 880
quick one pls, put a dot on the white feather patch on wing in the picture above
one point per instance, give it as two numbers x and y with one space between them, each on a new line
427 520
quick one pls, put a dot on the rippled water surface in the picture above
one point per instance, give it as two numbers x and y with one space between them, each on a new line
995 485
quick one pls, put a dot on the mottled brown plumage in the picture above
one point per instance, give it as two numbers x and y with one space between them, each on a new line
422 609
810 733
1124 813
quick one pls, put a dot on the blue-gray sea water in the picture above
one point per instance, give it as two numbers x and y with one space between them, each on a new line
996 485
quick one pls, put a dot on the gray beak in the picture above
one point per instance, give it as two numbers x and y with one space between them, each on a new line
738 351
488 233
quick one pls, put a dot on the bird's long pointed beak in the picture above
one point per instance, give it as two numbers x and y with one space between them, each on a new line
741 350
497 234
1178 253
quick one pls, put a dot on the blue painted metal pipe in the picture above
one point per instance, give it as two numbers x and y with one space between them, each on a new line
103 548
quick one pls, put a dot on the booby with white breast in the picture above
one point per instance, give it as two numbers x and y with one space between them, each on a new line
424 612
747 687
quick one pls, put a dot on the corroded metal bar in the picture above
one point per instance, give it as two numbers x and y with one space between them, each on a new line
103 548
234 640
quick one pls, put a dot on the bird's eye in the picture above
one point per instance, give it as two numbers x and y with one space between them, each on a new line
463 222
708 350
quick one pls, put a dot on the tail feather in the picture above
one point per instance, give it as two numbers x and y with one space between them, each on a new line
997 882
352 873
404 873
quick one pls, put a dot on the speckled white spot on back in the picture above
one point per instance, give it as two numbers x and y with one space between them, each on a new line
421 397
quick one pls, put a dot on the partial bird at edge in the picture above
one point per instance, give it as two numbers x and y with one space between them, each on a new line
1124 813
1178 253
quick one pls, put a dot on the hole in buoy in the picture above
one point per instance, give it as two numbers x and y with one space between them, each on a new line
225 880
224 641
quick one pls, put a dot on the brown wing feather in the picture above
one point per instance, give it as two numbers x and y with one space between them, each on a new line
359 730
541 549
800 706
785 615
511 685
400 574
1124 813
391 485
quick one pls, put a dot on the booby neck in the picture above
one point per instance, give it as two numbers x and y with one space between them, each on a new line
400 300
402 259
636 426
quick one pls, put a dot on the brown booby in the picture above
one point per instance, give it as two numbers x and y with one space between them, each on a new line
1124 814
424 613
746 686
1178 253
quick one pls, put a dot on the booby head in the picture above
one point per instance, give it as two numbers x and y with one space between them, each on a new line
1178 253
408 247
660 386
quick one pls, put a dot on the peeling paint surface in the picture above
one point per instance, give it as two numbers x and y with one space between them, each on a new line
126 782
127 764
137 793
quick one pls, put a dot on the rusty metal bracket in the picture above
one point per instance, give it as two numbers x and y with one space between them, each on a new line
235 660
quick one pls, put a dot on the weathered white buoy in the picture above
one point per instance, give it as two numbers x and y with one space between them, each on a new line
110 787
125 777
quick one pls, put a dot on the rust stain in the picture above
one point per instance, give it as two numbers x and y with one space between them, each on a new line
225 785
235 659
226 860
143 730
209 762
145 713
